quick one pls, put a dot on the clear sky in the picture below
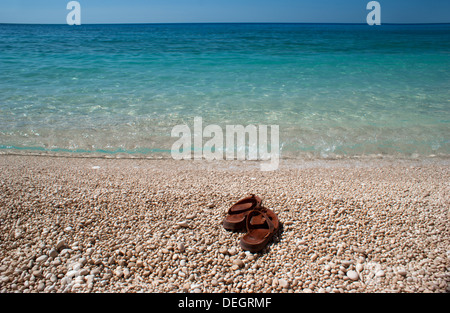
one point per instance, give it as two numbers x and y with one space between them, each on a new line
189 11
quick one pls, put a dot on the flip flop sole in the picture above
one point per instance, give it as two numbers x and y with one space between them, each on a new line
254 244
259 233
234 222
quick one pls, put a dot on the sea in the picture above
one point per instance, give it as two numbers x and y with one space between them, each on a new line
334 90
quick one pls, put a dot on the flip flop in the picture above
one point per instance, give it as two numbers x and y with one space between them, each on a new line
261 225
237 214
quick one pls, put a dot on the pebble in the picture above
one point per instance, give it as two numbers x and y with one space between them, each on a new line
61 245
347 263
379 273
122 239
181 247
232 251
353 275
18 234
283 283
53 253
65 281
37 273
223 250
184 224
41 287
76 266
84 272
402 272
238 262
42 258
118 272
359 267
72 273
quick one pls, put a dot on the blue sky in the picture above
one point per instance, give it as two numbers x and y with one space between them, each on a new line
189 11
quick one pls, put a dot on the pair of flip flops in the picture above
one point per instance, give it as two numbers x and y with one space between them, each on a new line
261 223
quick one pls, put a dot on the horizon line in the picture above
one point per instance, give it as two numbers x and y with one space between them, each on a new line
165 23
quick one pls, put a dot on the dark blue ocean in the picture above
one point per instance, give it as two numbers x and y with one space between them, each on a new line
334 90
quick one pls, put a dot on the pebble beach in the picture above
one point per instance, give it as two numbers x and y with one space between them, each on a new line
135 225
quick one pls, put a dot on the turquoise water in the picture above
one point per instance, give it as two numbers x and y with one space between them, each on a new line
334 90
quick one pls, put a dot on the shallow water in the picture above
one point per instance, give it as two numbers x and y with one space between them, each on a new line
334 90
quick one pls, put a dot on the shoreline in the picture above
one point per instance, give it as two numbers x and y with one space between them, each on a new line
139 225
290 161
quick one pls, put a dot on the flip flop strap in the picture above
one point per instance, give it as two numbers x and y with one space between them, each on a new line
266 218
256 204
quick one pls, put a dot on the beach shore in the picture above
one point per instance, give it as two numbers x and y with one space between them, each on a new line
136 225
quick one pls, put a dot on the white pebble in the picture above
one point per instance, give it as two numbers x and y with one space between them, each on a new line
238 262
184 224
84 272
42 258
60 245
76 266
402 272
353 275
359 267
73 273
232 251
118 272
191 216
380 273
283 283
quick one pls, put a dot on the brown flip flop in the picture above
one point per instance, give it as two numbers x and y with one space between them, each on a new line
237 214
261 224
